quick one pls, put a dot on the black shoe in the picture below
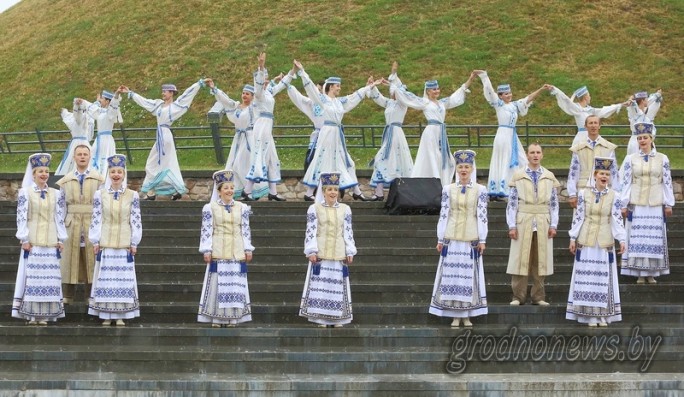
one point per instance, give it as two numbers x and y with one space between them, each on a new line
377 198
150 198
247 197
360 197
275 197
309 198
176 196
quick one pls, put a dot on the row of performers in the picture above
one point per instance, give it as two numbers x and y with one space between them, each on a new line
111 226
253 154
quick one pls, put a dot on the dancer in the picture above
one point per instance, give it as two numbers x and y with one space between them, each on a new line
507 153
330 247
532 217
459 290
105 111
264 162
434 157
393 160
582 162
647 199
78 188
581 109
41 231
642 109
162 172
331 150
594 296
115 232
81 128
226 243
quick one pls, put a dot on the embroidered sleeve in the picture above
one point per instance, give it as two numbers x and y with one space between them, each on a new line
207 229
22 216
607 111
148 104
482 224
310 239
443 214
616 222
95 230
303 103
626 181
410 99
578 218
348 233
136 221
246 231
512 208
668 190
352 100
566 105
60 214
223 99
654 101
377 97
457 98
489 93
614 175
182 104
573 175
553 208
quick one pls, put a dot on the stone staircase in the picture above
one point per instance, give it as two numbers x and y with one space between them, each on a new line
392 347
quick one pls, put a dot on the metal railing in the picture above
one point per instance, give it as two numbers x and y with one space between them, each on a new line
218 138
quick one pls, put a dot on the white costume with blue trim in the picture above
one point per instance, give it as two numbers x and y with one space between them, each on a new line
508 153
636 115
81 128
104 145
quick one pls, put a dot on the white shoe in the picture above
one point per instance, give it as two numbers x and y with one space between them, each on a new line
322 325
467 323
592 325
602 322
515 302
32 322
107 323
651 280
456 323
338 325
542 303
42 323
215 325
641 280
120 323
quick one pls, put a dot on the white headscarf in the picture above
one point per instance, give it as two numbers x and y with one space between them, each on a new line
28 181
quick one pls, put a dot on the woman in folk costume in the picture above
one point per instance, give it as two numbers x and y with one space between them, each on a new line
507 153
642 109
242 115
580 110
264 162
79 187
41 231
81 128
459 290
105 111
594 296
162 172
393 160
115 232
647 199
331 153
330 247
433 159
226 243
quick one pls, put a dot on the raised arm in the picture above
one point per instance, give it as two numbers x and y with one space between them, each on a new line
566 105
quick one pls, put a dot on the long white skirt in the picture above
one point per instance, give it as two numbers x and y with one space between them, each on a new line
239 162
507 156
103 148
646 254
114 294
594 290
225 295
429 157
264 162
459 290
393 160
38 289
331 156
162 172
327 296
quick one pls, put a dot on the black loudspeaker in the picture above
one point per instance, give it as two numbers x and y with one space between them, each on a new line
409 196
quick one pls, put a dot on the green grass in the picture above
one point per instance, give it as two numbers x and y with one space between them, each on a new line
55 50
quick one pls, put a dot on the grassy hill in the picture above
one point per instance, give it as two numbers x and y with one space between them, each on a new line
54 50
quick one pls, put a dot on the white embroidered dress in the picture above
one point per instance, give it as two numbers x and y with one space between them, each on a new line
459 290
38 288
104 145
81 128
636 115
162 172
114 294
508 153
314 112
594 289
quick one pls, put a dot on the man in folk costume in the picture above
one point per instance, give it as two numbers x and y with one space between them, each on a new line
532 217
582 163
78 188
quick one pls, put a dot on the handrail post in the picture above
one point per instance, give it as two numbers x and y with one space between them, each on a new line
214 119
40 140
125 142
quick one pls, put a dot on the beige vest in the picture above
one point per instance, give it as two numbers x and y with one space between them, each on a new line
79 214
329 234
462 219
116 220
647 180
41 218
586 155
227 240
596 227
532 208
